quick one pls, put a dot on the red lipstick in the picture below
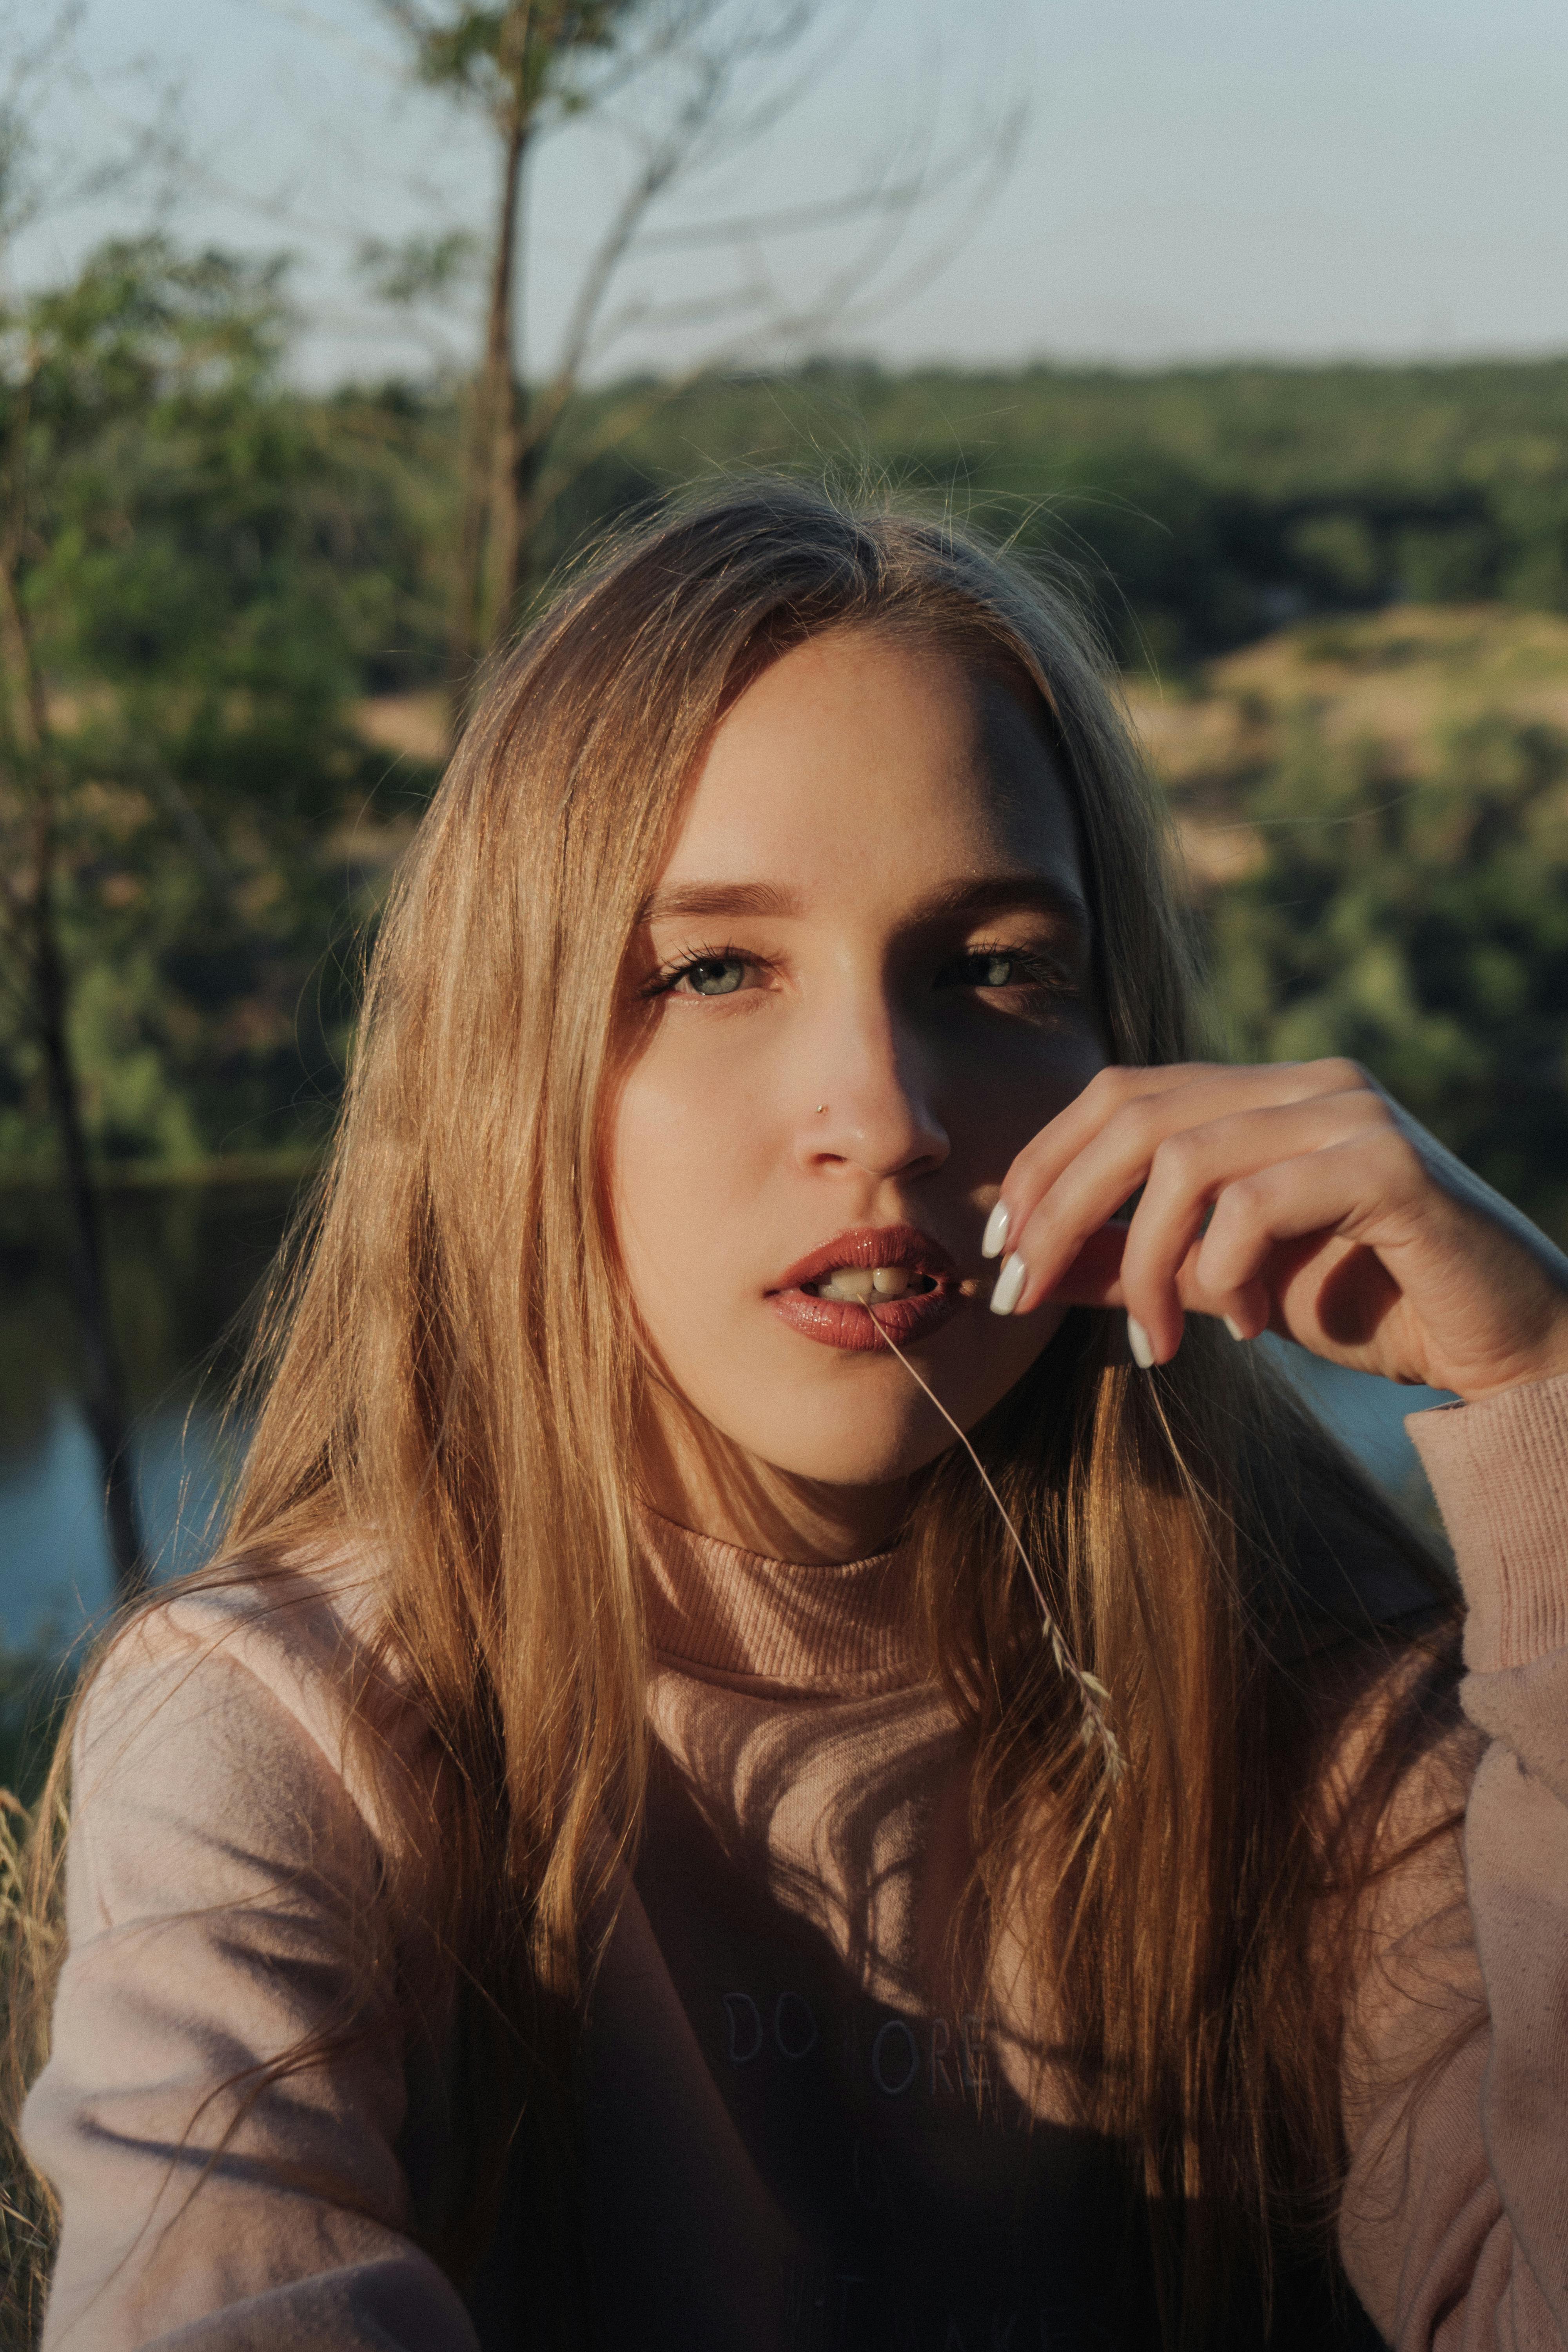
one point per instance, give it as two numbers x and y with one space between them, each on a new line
845 1323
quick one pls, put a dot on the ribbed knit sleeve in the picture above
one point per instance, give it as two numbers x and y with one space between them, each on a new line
221 1899
1455 2219
1499 1471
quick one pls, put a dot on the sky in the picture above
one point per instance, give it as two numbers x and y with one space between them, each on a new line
1138 182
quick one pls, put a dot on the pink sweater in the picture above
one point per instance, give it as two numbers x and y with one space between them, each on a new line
791 2137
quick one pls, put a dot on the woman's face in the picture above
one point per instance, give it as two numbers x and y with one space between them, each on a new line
860 986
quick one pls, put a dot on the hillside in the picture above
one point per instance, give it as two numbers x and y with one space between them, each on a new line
1375 817
1396 689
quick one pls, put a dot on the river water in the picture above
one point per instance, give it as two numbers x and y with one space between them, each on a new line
185 1262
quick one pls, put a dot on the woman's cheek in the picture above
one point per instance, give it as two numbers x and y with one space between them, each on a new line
689 1157
1003 1091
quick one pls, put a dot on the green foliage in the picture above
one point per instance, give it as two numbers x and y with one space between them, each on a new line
182 511
1201 507
511 55
418 266
185 566
1421 925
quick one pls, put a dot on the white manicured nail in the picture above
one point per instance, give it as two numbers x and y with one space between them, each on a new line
1009 1285
996 1234
1234 1328
1139 1341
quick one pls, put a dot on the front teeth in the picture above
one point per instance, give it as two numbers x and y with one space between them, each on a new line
859 1285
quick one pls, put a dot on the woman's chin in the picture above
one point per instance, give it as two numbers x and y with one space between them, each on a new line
854 1459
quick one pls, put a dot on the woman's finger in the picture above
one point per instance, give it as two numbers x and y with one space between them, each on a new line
1115 1161
1341 1189
1147 1104
1186 1175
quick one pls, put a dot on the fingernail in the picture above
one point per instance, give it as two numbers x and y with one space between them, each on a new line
1139 1341
996 1233
1234 1328
1009 1285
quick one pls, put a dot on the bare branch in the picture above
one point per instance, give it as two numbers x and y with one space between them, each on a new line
42 177
661 169
758 293
833 212
1008 138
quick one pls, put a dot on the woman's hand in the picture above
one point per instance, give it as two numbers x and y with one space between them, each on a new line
1293 1197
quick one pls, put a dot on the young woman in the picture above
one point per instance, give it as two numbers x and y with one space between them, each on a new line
638 1842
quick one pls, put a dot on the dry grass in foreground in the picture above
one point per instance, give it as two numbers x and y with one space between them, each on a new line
26 2219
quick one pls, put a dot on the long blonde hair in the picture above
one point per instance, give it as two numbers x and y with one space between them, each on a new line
451 1377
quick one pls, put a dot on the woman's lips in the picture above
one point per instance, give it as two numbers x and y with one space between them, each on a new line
841 1323
838 1324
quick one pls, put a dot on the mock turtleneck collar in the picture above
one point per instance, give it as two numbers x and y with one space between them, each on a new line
732 1616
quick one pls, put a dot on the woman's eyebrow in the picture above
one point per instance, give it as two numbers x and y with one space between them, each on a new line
699 899
997 893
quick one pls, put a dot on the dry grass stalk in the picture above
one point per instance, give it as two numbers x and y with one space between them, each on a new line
27 2210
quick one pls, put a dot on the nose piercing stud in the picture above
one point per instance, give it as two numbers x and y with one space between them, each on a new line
822 1106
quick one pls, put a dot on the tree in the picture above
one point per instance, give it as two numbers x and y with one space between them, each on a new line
177 652
511 63
39 55
703 82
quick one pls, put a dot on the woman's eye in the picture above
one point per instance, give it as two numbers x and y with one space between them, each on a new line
718 972
993 971
714 975
998 968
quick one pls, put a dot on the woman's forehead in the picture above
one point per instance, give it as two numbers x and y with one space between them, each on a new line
859 740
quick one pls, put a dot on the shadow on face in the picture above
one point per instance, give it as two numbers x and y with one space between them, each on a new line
860 985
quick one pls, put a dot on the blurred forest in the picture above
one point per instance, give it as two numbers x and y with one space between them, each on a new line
234 602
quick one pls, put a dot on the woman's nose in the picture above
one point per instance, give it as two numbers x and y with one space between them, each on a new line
869 1101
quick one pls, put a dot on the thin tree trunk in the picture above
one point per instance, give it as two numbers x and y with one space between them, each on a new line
30 713
104 1381
508 441
487 555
